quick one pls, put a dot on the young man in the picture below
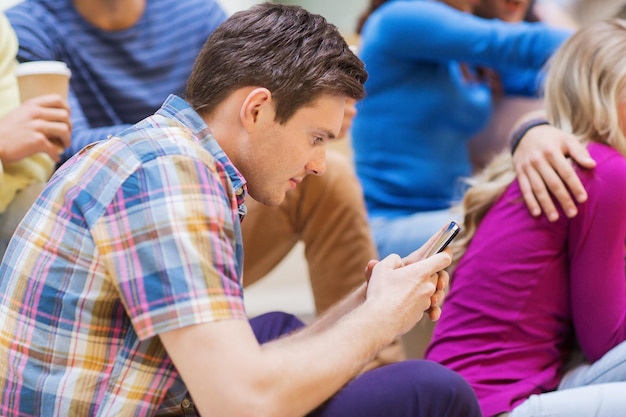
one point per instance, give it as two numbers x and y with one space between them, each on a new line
126 56
122 290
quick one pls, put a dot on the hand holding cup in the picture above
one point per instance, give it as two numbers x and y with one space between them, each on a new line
37 79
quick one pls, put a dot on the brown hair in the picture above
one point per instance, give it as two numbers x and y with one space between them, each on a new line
295 54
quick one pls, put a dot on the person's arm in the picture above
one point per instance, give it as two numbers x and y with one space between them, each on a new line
542 164
434 31
596 253
520 82
41 124
310 365
9 92
82 132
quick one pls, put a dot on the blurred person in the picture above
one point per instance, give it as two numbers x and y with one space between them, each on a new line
542 165
30 134
122 290
126 57
524 292
506 108
430 91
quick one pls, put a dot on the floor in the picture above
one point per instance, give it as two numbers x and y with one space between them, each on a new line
286 288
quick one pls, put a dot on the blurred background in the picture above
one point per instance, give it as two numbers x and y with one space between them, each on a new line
343 13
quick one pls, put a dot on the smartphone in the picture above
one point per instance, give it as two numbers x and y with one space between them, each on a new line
445 238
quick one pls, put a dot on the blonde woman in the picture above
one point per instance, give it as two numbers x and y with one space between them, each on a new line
525 292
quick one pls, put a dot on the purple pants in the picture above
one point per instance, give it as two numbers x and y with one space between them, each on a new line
415 388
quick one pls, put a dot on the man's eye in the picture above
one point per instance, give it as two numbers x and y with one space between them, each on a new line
318 140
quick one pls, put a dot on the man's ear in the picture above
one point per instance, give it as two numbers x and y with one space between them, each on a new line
257 108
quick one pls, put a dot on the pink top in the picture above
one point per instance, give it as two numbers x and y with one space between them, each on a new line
526 286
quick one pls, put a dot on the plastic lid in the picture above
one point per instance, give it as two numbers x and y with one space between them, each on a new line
42 67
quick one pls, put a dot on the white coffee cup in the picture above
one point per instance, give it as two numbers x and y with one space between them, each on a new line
37 78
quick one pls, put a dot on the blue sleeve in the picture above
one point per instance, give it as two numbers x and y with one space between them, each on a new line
82 133
433 31
524 82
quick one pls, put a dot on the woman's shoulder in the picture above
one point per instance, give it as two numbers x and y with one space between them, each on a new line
609 173
607 158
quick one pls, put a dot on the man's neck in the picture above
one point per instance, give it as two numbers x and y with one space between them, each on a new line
111 15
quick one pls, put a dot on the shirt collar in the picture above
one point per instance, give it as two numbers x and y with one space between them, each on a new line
178 109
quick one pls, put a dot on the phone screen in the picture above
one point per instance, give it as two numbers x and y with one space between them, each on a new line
445 238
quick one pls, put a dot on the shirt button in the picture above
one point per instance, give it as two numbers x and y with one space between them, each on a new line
186 403
239 191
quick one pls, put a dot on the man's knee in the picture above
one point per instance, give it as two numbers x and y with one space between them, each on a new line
438 390
405 389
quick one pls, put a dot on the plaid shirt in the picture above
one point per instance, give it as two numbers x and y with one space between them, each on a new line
134 236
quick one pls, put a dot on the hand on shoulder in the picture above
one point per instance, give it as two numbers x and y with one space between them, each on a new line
542 160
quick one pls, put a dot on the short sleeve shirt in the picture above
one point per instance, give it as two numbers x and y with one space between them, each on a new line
134 236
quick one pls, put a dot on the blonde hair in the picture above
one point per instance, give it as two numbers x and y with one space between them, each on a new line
585 83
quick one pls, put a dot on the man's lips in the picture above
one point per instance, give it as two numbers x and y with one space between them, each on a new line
293 182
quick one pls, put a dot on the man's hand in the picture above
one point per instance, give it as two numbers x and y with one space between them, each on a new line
436 301
41 124
542 166
443 279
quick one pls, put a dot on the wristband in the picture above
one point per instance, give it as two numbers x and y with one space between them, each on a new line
522 129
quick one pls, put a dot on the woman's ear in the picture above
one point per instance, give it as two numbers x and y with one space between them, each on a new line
257 109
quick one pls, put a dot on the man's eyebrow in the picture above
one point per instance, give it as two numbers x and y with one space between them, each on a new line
328 133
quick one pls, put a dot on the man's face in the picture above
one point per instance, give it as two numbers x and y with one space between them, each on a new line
278 157
506 10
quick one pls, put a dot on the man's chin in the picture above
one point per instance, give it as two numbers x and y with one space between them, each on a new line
272 201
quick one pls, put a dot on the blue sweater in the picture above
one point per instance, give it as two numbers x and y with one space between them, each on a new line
118 77
411 132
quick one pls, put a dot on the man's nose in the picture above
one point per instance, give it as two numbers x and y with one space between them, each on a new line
317 166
